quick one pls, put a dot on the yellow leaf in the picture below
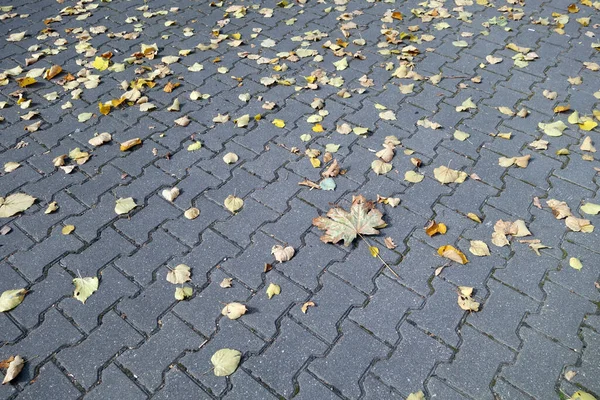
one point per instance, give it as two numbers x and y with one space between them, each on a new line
130 144
575 263
318 128
279 123
273 290
100 63
233 203
433 228
104 108
452 253
24 82
67 229
316 163
413 177
588 125
479 248
474 217
374 251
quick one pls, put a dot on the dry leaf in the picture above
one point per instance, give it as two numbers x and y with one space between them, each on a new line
479 248
233 203
283 254
226 283
234 310
433 228
273 290
575 263
579 224
84 288
225 361
191 213
560 209
179 274
123 206
446 175
363 219
170 194
452 253
14 368
9 299
389 243
305 306
100 139
129 144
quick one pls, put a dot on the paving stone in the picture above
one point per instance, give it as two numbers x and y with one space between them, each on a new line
311 388
588 370
178 385
375 389
159 351
83 360
279 371
231 334
353 365
50 382
475 353
561 305
54 332
412 361
440 390
332 302
114 383
389 295
142 263
548 356
290 228
526 279
32 262
244 387
204 310
241 225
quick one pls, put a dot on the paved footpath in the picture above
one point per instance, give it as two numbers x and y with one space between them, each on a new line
462 85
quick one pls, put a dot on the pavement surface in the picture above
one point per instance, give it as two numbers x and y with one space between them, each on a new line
370 334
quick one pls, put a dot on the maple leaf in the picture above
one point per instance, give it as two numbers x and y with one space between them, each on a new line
363 219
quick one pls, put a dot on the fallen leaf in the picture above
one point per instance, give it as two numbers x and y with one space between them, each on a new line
416 396
191 213
479 248
493 60
575 263
15 203
507 228
560 209
11 166
182 293
68 229
14 368
195 146
242 121
467 303
413 177
124 205
327 184
381 167
129 144
234 310
433 228
230 158
9 299
273 290
579 224
474 217
279 123
446 175
452 253
553 129
183 121
170 194
305 306
233 203
83 117
462 136
389 243
101 63
363 219
100 139
387 115
84 287
283 254
52 207
581 395
179 274
587 145
374 251
466 105
225 361
226 283
591 208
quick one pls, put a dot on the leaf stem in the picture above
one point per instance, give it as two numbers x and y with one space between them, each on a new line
381 259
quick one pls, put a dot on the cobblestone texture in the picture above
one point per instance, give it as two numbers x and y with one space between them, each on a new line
370 335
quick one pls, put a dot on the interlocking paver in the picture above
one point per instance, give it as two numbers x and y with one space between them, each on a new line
371 334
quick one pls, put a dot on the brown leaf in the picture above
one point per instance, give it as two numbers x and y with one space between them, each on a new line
333 170
389 243
14 368
129 144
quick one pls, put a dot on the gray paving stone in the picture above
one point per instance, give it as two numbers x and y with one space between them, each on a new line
389 295
311 388
114 383
503 313
244 387
475 352
588 370
84 360
50 382
342 358
178 385
549 358
561 305
399 371
240 227
279 364
332 302
148 362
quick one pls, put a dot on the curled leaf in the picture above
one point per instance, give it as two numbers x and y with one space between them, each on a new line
191 213
273 290
234 310
283 254
129 144
452 253
9 299
233 203
14 368
179 274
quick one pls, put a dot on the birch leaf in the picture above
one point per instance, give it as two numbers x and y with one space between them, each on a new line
84 287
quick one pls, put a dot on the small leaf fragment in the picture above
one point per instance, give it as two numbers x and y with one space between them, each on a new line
575 263
413 177
226 283
273 290
182 293
51 207
191 213
305 306
374 250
